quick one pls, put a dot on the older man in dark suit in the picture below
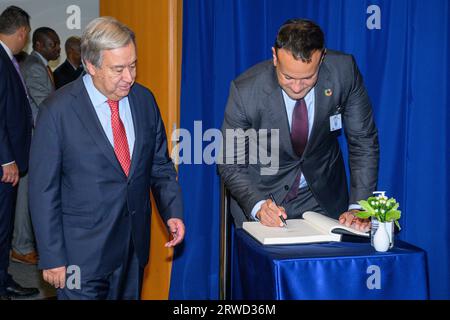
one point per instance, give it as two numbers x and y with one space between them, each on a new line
98 149
15 136
72 68
306 94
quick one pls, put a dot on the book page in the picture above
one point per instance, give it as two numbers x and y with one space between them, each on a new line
297 231
330 225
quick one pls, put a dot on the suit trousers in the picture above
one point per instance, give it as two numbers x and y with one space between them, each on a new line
124 283
7 203
23 240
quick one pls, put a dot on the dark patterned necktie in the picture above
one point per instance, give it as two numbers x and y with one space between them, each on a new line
299 127
299 139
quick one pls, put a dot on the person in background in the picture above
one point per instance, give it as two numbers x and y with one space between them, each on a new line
40 84
15 136
35 69
21 56
72 68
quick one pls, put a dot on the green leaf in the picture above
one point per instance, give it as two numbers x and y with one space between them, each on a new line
392 215
397 224
363 215
367 207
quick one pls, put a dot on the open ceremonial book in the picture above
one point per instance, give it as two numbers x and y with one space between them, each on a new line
314 227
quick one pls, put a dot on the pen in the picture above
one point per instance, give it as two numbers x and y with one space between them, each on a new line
281 217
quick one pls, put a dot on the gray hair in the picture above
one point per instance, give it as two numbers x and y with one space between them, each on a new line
104 33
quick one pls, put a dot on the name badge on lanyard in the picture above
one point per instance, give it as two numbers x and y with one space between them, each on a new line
335 122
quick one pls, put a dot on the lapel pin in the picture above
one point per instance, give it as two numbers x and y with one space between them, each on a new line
328 92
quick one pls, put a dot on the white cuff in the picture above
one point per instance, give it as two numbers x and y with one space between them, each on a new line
3 165
256 209
354 207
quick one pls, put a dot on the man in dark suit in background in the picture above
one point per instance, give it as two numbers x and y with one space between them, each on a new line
98 149
21 56
72 68
15 136
40 84
308 94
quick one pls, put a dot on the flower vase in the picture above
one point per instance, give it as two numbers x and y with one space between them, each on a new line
381 240
390 231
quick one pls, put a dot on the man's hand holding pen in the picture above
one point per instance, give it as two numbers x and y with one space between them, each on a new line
269 214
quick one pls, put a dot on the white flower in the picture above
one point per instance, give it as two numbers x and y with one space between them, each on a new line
376 210
383 211
372 203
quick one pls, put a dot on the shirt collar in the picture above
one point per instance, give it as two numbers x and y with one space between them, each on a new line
307 98
96 96
70 63
42 58
7 49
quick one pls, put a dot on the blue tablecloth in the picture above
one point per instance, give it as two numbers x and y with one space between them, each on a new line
332 270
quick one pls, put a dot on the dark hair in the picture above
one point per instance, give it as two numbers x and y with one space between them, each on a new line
21 56
301 37
41 34
12 19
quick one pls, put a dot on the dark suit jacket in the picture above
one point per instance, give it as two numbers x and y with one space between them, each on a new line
256 101
83 206
65 74
15 116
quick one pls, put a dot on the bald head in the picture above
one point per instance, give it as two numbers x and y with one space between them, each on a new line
73 50
73 43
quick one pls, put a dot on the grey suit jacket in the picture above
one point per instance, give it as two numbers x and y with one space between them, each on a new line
37 80
256 101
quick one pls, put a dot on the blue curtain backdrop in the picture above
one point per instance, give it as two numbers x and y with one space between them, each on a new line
405 65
